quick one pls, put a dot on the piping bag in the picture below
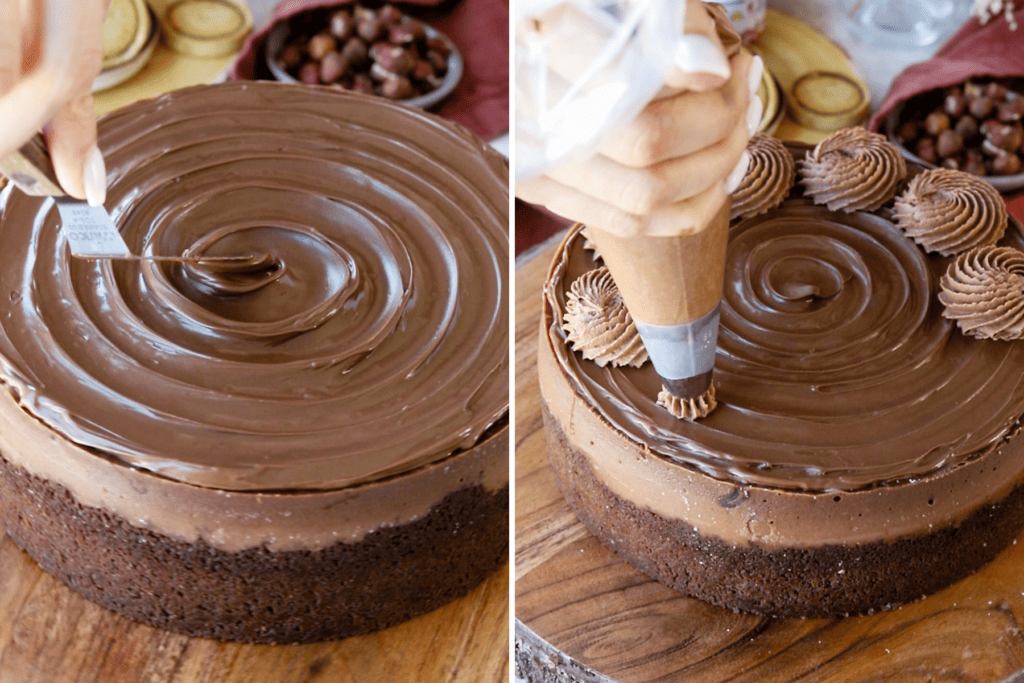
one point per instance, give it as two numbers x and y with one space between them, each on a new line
574 90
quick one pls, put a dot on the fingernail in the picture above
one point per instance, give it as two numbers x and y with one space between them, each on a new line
698 54
755 74
754 111
736 177
94 177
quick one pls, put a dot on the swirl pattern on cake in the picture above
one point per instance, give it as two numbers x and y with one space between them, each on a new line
810 395
852 170
769 178
983 291
323 363
948 211
597 323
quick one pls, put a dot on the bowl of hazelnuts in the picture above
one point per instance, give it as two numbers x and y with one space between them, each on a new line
977 127
381 51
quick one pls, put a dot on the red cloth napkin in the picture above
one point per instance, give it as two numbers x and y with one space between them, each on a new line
479 28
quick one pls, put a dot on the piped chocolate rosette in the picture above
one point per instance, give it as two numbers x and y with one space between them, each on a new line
852 170
983 291
770 176
369 339
949 211
597 323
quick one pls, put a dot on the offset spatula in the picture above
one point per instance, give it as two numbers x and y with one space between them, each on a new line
89 229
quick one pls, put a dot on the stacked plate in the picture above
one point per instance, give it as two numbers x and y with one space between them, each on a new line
130 35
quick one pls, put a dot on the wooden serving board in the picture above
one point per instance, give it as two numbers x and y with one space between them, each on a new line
50 634
593 613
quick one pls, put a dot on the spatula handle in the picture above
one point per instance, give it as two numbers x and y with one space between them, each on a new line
31 169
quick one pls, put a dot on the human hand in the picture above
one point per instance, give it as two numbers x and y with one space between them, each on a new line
50 53
663 174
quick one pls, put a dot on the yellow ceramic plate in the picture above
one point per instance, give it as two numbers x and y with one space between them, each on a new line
119 73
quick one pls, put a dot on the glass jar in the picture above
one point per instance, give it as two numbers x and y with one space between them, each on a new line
748 16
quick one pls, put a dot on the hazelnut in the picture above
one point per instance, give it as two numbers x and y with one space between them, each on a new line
407 32
320 44
291 57
989 126
343 26
936 123
981 107
332 67
925 148
423 70
355 52
951 163
393 58
360 13
996 91
1006 164
397 88
954 104
973 90
370 29
438 45
967 127
309 73
1011 110
390 15
1005 136
949 143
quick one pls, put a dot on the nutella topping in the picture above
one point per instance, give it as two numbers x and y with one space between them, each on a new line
983 291
853 170
948 211
365 337
770 175
811 395
597 323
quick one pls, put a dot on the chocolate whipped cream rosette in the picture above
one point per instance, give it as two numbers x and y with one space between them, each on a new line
864 451
306 445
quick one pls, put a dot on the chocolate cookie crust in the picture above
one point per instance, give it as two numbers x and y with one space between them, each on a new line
258 595
832 580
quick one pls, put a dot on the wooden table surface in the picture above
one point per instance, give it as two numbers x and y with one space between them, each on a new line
50 634
593 611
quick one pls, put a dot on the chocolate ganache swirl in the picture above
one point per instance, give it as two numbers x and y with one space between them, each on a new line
835 369
366 334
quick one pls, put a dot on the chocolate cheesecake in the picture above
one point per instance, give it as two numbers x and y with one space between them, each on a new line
307 444
864 452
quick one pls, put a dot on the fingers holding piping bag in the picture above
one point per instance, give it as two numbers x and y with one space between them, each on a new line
641 190
680 218
677 149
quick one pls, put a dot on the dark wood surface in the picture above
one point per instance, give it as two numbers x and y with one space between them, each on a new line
49 634
588 605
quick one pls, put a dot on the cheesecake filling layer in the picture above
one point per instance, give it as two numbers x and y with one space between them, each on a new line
364 337
849 410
